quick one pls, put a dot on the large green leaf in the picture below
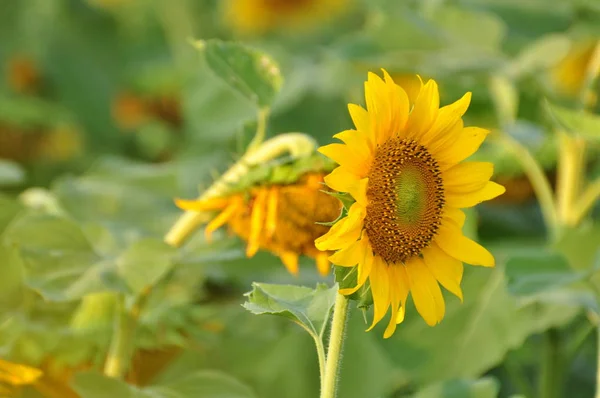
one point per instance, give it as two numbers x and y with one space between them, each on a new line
252 73
473 337
483 388
203 384
539 271
11 283
144 263
200 384
59 260
308 307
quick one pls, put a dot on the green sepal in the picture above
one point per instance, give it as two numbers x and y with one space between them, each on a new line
346 277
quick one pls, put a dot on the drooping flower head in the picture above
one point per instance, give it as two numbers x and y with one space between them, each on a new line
403 166
280 218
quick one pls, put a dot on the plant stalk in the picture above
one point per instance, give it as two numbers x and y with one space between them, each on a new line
540 184
120 350
550 379
570 172
336 342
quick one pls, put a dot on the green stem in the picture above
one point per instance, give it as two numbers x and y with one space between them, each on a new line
296 144
597 395
518 378
261 129
550 378
321 355
587 200
539 182
119 353
336 341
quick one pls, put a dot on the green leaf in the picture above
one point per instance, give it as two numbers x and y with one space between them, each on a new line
347 278
200 384
96 385
476 28
308 307
473 337
539 271
575 122
203 384
252 73
59 261
144 263
10 173
482 388
11 283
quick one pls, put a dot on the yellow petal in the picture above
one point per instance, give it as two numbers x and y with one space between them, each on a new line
347 157
343 180
447 117
360 117
399 104
223 217
462 200
350 255
468 142
425 110
257 220
202 205
455 215
378 105
425 291
398 293
271 223
446 269
380 289
323 265
18 375
357 141
467 177
290 260
343 232
411 84
451 240
364 267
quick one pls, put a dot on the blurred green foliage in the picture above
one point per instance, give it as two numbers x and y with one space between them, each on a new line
110 108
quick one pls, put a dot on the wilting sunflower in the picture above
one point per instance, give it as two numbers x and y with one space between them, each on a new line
402 165
260 16
279 218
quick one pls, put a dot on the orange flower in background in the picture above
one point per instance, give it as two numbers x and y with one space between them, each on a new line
131 111
23 76
260 16
403 165
281 219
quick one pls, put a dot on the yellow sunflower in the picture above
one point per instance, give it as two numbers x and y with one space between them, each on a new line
402 165
260 16
570 74
279 218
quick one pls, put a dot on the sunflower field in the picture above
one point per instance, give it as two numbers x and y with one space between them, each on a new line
300 198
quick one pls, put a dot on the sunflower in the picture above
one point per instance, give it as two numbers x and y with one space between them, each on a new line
571 73
279 218
260 16
402 165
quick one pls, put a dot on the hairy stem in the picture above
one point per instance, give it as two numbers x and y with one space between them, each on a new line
334 352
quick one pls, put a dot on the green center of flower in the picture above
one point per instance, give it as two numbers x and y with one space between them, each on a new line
406 200
410 196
